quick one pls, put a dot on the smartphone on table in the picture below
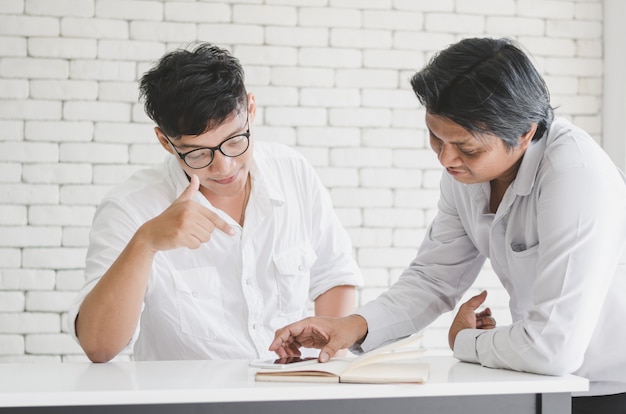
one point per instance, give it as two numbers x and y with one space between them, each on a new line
282 363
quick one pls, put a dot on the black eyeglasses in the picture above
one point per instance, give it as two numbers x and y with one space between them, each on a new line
203 157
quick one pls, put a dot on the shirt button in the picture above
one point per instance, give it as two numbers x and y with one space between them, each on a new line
301 268
248 282
254 326
194 294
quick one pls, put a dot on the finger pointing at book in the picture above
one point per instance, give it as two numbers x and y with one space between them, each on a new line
329 335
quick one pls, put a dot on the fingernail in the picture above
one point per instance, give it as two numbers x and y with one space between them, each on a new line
324 357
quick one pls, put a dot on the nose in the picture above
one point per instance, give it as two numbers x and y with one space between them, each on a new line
448 155
221 163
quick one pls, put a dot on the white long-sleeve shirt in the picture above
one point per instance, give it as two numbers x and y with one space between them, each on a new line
225 299
558 245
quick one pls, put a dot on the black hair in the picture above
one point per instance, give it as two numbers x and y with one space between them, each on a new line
189 92
486 86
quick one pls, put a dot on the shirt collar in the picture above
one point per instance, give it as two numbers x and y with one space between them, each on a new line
177 174
265 184
525 178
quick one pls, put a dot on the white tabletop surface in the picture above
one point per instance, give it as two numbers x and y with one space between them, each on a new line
83 383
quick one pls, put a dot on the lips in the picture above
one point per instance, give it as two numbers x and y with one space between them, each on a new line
227 180
453 171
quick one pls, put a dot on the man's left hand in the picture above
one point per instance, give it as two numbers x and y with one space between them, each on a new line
468 318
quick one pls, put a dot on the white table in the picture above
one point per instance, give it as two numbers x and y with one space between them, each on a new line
229 387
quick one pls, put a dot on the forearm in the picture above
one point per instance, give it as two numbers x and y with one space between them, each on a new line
338 301
109 314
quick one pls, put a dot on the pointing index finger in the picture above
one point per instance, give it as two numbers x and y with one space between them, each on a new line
220 223
285 336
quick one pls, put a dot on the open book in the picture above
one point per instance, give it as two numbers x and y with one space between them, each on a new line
392 363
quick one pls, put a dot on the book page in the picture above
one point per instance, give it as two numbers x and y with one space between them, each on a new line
402 349
295 377
334 367
387 372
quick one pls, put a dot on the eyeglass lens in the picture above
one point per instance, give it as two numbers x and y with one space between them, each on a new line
232 147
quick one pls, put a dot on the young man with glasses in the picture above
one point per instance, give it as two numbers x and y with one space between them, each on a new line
205 256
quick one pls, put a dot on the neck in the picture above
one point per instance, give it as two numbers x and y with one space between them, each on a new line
500 185
246 197
233 205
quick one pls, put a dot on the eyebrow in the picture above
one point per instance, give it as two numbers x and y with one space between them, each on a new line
457 143
231 135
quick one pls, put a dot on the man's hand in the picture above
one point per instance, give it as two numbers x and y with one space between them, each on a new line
185 223
468 318
324 333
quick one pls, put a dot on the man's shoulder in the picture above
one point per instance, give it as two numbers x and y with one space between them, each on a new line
564 132
275 150
149 183
570 146
279 156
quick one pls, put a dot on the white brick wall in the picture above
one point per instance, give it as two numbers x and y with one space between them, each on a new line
331 79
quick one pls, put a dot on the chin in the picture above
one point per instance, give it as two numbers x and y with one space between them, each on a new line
466 179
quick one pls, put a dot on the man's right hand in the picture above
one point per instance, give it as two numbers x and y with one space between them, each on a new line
324 333
185 223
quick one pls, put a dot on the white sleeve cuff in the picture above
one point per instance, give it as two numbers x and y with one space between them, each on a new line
465 345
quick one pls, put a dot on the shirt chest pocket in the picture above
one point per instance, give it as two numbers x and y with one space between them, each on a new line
199 300
293 274
522 273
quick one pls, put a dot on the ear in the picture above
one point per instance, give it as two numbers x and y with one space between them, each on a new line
527 137
163 140
251 107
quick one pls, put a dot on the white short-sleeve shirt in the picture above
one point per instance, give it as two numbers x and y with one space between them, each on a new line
225 299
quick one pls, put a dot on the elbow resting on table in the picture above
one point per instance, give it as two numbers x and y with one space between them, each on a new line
99 357
97 347
555 363
97 352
